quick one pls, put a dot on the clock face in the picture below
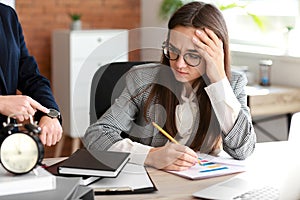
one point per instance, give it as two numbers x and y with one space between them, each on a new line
19 153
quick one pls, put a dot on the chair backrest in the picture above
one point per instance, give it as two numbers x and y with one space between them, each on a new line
103 91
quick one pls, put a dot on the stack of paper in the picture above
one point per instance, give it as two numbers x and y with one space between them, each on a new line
37 180
67 188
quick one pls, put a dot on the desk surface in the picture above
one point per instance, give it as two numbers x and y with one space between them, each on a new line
277 162
273 100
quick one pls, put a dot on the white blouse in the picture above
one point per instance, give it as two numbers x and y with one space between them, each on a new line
185 115
224 103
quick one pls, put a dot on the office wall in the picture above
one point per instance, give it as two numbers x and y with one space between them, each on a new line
284 71
154 30
39 18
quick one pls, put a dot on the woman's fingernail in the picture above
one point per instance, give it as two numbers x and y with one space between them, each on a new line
198 32
195 39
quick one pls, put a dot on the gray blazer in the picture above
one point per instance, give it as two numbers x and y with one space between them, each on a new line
126 117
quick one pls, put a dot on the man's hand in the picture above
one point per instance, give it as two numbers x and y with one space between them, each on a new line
21 105
51 130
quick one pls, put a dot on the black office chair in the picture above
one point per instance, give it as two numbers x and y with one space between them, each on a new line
103 91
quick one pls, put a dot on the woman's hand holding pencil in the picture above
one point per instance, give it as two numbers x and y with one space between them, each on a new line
172 156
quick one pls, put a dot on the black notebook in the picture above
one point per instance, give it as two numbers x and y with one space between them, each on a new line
84 180
94 163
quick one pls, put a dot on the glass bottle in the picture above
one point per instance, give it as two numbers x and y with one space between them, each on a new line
265 72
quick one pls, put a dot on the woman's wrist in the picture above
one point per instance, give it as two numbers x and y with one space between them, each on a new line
149 158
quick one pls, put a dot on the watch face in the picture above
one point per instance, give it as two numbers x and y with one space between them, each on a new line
19 153
53 113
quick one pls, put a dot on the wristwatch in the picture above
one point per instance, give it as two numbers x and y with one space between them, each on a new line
53 113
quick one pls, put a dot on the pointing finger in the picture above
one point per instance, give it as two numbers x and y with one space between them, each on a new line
36 105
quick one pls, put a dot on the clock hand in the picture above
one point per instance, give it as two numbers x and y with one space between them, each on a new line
18 146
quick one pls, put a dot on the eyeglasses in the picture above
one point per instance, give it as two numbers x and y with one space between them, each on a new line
172 53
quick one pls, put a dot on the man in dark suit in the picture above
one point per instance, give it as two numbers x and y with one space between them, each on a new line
19 72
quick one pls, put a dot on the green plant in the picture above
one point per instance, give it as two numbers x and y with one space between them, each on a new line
254 17
168 7
289 28
75 16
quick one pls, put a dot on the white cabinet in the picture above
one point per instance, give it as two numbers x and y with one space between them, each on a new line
76 55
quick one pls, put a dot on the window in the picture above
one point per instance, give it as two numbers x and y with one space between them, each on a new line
279 19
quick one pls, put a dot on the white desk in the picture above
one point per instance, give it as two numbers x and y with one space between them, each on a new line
272 102
285 174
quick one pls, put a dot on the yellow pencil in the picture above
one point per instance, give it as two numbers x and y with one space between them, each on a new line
169 136
165 133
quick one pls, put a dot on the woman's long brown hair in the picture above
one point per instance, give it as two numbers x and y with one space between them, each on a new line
198 15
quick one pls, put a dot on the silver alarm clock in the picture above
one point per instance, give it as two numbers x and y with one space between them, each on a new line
21 150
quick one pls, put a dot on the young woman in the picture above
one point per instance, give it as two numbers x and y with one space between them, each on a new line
193 95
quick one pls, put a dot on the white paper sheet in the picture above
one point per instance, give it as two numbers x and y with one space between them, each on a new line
132 177
212 166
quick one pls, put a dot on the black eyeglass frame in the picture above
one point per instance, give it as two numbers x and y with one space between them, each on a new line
166 47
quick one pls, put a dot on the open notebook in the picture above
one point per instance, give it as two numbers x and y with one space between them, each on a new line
132 179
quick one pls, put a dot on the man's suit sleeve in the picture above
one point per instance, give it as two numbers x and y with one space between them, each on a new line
30 80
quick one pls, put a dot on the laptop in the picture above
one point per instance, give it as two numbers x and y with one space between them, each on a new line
238 188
